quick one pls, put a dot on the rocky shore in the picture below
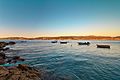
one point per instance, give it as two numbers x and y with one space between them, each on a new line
18 72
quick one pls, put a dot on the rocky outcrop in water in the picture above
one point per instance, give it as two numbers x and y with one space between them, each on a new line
3 48
20 72
2 58
4 44
5 59
11 43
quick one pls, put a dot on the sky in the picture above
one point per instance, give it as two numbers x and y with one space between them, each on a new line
35 18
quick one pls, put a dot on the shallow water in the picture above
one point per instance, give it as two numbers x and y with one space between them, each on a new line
72 62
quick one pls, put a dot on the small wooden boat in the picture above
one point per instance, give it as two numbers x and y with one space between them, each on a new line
83 43
103 46
23 41
53 41
63 42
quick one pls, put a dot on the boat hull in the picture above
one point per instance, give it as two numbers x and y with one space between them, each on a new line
83 43
53 41
103 46
63 42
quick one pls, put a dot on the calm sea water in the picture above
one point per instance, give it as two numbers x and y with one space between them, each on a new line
72 62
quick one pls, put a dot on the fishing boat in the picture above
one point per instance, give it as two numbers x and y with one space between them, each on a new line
63 42
23 41
83 43
103 46
53 41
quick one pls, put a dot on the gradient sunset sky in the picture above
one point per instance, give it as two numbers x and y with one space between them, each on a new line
35 18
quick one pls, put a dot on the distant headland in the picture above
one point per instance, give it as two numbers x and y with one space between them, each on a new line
65 38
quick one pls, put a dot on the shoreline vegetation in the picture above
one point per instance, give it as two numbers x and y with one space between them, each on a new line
65 38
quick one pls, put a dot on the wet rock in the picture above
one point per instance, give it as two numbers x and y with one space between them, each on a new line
2 78
21 59
5 49
2 61
8 77
1 49
11 43
15 71
23 67
2 44
2 55
2 58
35 72
31 75
3 71
14 77
23 76
21 72
14 59
9 61
18 58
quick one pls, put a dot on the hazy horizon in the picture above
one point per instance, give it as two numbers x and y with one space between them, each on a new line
57 36
38 18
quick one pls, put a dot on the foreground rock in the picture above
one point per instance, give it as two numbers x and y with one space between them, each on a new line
20 72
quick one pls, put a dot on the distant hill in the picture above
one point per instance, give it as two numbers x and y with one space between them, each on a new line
66 38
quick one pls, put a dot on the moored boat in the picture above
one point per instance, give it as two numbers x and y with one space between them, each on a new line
63 42
23 41
54 41
103 46
83 43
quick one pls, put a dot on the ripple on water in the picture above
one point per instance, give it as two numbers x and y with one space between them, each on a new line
73 63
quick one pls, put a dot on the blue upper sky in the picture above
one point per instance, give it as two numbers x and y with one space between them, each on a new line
32 18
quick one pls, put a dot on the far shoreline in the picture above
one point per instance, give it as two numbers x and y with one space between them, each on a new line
117 38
